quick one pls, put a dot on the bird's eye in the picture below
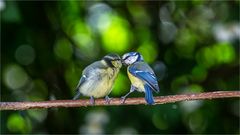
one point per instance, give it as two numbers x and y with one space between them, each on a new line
126 57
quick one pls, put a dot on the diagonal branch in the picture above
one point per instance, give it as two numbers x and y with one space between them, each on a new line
116 101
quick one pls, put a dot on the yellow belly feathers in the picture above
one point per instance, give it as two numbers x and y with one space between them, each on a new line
136 82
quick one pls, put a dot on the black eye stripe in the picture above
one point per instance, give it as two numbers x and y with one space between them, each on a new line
126 57
129 56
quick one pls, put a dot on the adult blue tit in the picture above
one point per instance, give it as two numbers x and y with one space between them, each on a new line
98 78
141 76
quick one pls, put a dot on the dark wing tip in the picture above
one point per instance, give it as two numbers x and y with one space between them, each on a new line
77 96
156 88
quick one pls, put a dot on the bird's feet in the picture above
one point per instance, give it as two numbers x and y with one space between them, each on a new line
92 101
107 100
123 99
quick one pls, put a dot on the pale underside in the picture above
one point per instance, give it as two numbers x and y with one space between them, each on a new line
139 84
99 83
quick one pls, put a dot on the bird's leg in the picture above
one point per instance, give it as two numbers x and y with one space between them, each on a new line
107 99
92 101
124 97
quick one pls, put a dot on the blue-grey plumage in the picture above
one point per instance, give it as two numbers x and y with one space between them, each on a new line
141 76
145 73
98 78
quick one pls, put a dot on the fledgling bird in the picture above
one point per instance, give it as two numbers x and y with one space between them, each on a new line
98 78
141 76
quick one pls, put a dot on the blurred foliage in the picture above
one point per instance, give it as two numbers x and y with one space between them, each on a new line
193 46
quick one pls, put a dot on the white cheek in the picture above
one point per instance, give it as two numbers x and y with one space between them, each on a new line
127 61
130 60
133 59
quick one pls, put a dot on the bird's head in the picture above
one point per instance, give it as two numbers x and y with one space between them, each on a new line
113 60
131 57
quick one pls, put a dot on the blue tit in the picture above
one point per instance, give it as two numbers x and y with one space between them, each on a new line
98 78
141 76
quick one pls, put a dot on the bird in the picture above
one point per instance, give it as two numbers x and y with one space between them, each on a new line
98 78
141 75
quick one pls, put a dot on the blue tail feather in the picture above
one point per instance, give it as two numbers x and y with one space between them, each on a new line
148 94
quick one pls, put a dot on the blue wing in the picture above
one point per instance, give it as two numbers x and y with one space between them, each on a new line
142 71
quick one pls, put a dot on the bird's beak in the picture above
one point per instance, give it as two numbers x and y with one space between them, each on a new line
123 62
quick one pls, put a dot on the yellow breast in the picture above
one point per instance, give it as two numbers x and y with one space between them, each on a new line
99 87
136 82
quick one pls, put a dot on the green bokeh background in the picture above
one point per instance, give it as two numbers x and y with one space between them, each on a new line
193 46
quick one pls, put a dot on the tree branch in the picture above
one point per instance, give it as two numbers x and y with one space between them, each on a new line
116 101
